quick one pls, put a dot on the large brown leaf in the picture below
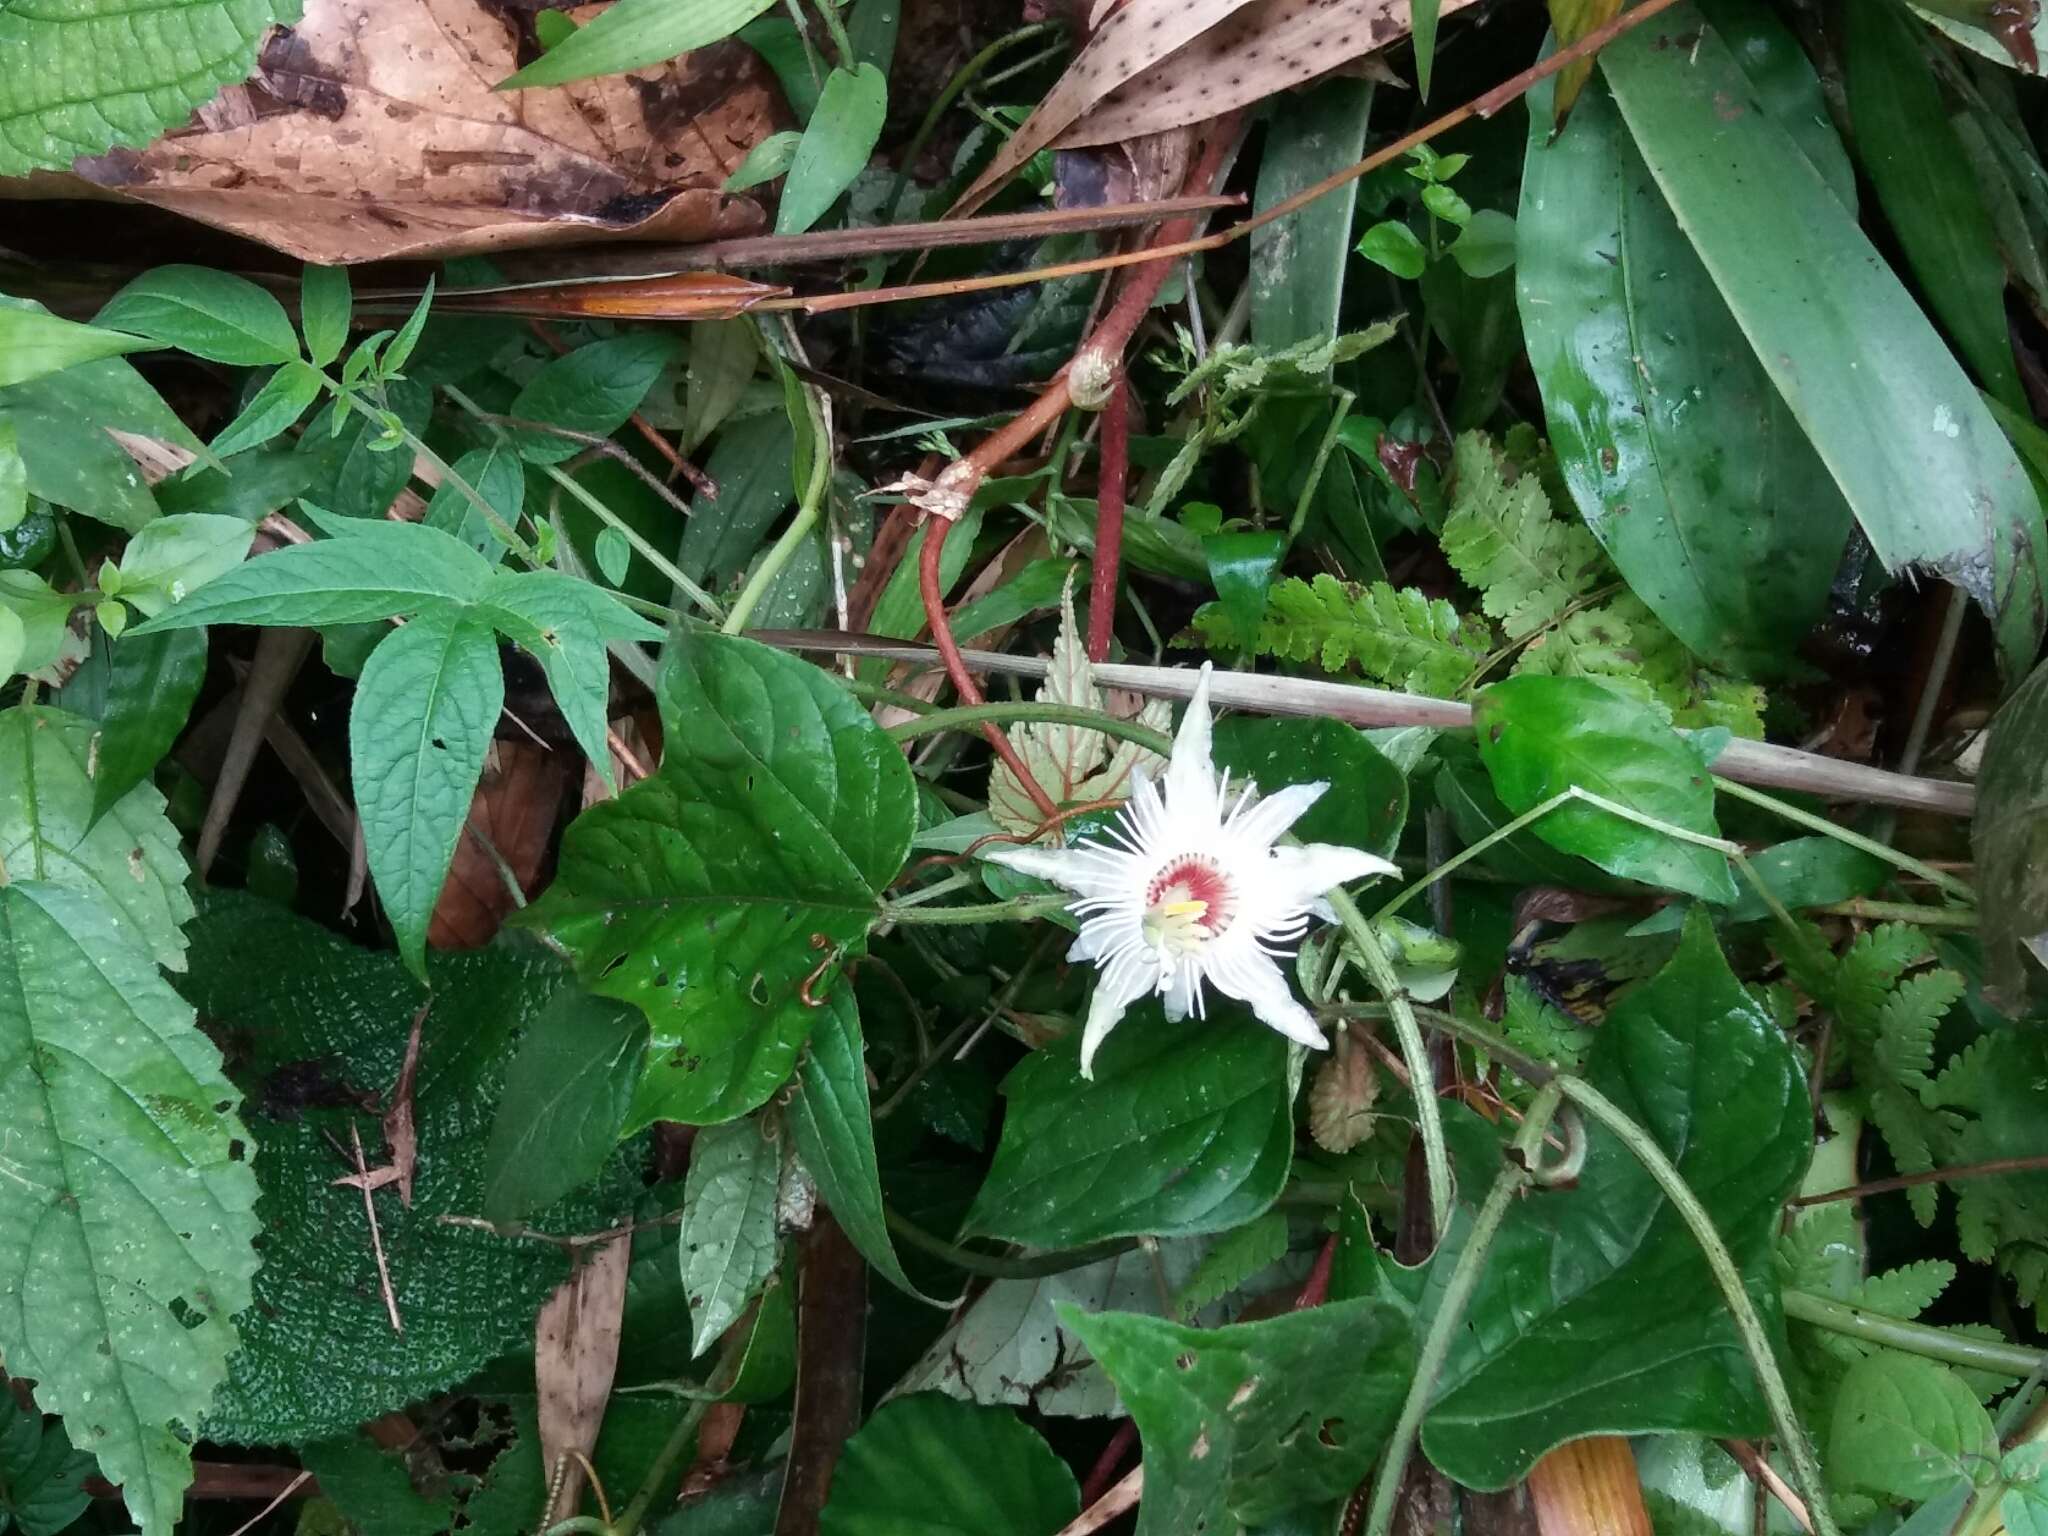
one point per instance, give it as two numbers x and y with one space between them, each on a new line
371 131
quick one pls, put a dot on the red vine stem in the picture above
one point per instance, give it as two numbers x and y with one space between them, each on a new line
1109 517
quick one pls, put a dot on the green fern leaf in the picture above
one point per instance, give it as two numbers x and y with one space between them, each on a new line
1993 1093
1820 1250
1906 1023
1233 1259
1532 1025
1396 637
1502 537
1907 1291
1870 968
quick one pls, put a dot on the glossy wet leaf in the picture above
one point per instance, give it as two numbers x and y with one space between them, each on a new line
1393 245
1297 265
566 1095
1681 454
778 813
33 343
1367 801
2009 835
1915 452
729 1243
128 856
836 145
1596 1313
273 410
126 1218
1539 736
929 1465
1184 1128
211 314
1800 872
1905 1428
1245 1422
323 1025
422 719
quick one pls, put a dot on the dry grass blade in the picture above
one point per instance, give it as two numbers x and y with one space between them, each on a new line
575 1355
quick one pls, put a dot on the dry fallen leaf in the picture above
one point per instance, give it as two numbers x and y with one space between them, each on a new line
371 131
575 1354
401 1136
516 807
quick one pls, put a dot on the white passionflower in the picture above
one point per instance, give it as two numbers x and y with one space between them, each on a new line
1191 889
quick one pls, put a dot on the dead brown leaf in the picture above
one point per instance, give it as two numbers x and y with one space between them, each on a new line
371 131
401 1137
575 1354
516 806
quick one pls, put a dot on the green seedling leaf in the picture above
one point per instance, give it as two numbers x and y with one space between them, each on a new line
698 892
634 34
592 390
729 1242
394 357
272 410
1905 1428
1540 736
1486 246
127 1216
128 857
211 314
836 146
325 305
614 555
765 161
1396 247
1185 1128
175 556
566 1095
929 1463
33 343
422 719
1243 1423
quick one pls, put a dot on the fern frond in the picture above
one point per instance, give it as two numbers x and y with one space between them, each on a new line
1819 1252
1502 537
1907 1291
1906 1023
1398 637
1869 969
1907 1126
1232 1260
1531 1025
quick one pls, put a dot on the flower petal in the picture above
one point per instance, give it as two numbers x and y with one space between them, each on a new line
1105 935
1261 825
1123 981
1086 870
1297 876
1191 772
1252 978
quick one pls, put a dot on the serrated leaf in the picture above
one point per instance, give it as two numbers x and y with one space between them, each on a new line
835 1136
1234 1259
206 312
324 1024
1184 1128
81 78
273 410
378 570
779 812
633 34
41 1477
423 717
174 556
592 390
1994 1093
1248 1421
129 856
126 1215
930 1464
1539 736
841 135
371 1486
1415 643
33 343
1905 1428
566 1095
729 1241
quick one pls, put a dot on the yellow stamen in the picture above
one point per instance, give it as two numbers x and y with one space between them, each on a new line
1184 909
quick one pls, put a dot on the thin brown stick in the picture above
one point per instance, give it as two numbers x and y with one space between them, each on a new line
1118 1501
257 1519
1110 488
1985 1170
355 1142
611 450
1766 1477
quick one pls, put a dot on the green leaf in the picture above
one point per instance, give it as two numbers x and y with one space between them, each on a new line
835 1135
2009 835
373 1488
593 390
361 469
1394 246
765 161
174 556
41 1476
634 34
1801 872
729 1242
753 465
1486 246
325 304
1539 736
128 857
249 486
1366 804
13 643
272 410
1686 462
422 719
33 343
566 1095
928 1465
1596 1313
1297 265
1246 1422
81 78
1241 566
1916 453
1185 1128
722 358
211 314
779 811
1915 161
13 475
1235 1258
1416 643
43 613
614 555
377 571
138 694
395 356
323 1026
1995 1089
836 146
126 1217
1905 1428
494 473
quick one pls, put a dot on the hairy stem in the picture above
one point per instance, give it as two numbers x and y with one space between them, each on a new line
2014 1360
981 715
998 1266
1110 486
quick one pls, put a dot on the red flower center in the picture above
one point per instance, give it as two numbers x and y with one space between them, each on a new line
1188 902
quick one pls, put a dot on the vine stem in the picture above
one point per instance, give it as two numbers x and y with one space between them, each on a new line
807 514
1379 970
1513 1178
1930 1343
680 1439
1842 834
1749 1327
999 1266
988 912
972 715
1111 483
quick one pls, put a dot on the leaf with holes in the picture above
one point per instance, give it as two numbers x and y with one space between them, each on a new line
1243 1423
708 893
129 855
126 1216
